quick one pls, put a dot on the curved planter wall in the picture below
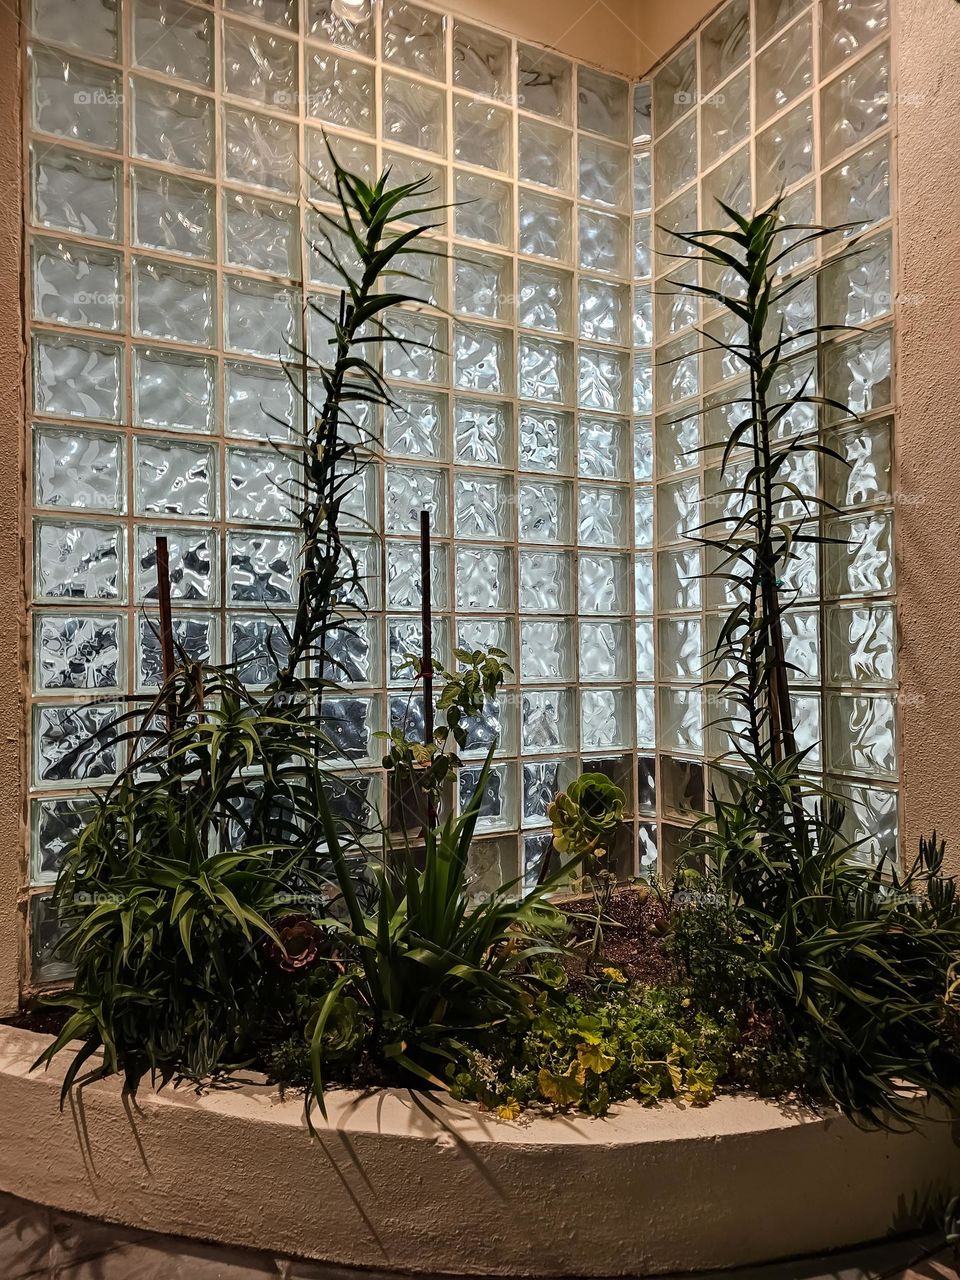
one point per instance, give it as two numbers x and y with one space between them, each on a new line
397 1182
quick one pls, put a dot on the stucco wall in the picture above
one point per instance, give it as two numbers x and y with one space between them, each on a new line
927 55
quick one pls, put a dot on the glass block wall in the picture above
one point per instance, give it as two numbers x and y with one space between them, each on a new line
774 95
167 146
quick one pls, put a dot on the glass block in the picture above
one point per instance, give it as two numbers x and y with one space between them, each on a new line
771 15
75 99
642 114
678 581
859 373
76 377
724 44
46 936
405 639
644 642
323 21
604 311
260 319
605 651
642 318
74 193
545 300
604 719
642 384
863 472
417 350
279 13
845 28
643 582
403 575
678 442
602 516
546 720
194 638
260 486
482 134
601 452
679 215
484 208
642 180
857 287
602 381
414 114
545 582
407 169
681 719
871 820
545 82
90 25
481 61
484 578
193 564
78 651
861 644
260 151
860 560
675 158
642 451
174 390
801 638
729 184
677 305
858 190
544 511
800 574
784 69
258 648
602 584
544 435
174 479
482 432
416 426
173 214
172 126
862 734
75 285
57 825
545 227
354 155
604 173
544 370
675 87
485 633
261 67
261 234
785 152
544 154
602 103
78 561
261 403
678 369
855 104
726 118
74 744
541 782
604 242
546 650
414 38
83 470
482 358
497 812
678 509
261 568
173 302
643 517
641 248
175 39
482 507
410 490
482 284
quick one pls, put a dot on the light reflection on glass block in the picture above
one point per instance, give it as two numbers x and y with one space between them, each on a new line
643 517
482 507
261 403
545 300
724 44
678 369
404 169
785 151
678 442
76 377
172 126
260 486
857 288
865 474
544 81
855 104
784 69
675 87
79 469
861 644
845 28
642 451
544 511
484 578
482 432
417 350
260 66
482 284
544 370
602 516
545 226
172 302
416 425
543 439
260 150
324 22
602 583
859 373
481 60
675 158
604 240
75 285
642 318
57 825
858 190
602 447
261 568
604 311
642 385
74 193
680 650
726 118
681 720
861 734
78 561
679 215
604 719
192 559
260 319
482 134
604 173
405 639
194 639
644 642
73 744
646 717
90 25
678 509
350 724
414 115
484 208
174 38
350 648
602 381
643 582
641 248
261 234
729 184
871 820
545 578
544 156
75 99
605 651
403 575
410 490
546 721
678 581
84 651
546 650
541 782
482 358
414 38
602 103
801 639
174 479
860 560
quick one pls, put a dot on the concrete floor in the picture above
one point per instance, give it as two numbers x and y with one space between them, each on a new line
44 1244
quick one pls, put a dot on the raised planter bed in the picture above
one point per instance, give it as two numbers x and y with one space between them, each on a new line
398 1182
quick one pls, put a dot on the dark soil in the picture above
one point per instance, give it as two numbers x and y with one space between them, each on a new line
633 930
47 1021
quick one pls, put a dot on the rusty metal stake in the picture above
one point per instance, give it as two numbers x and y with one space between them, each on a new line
166 628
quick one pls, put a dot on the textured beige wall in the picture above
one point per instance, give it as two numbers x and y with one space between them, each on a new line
927 55
664 23
11 533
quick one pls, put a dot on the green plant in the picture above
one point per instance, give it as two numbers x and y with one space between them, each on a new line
585 818
850 958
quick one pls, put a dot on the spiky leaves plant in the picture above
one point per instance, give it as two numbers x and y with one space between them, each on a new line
756 549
